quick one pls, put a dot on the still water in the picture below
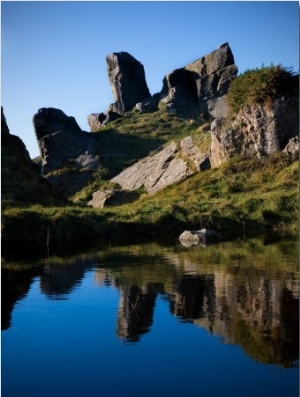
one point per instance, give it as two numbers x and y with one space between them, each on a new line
153 320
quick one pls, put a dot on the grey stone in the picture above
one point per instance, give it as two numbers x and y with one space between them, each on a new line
172 164
196 237
64 146
99 198
256 131
292 146
192 152
149 105
97 120
127 80
111 198
201 86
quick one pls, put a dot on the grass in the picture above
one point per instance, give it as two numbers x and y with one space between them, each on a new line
261 86
243 196
234 199
126 140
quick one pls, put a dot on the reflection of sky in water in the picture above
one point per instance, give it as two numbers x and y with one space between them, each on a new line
70 346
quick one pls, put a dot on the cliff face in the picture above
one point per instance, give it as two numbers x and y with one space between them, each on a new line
20 180
65 147
256 131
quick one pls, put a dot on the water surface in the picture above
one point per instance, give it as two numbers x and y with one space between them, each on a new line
153 320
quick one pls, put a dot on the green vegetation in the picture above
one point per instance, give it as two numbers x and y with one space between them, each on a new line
126 140
243 196
261 86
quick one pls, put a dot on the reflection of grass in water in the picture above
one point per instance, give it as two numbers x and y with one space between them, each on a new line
265 345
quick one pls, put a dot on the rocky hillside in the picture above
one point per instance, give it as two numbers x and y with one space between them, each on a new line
21 183
149 142
212 150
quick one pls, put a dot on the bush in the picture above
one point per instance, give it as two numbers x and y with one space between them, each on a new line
261 86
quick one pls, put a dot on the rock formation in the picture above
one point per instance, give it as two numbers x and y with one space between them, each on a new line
199 87
127 80
172 164
256 131
97 120
111 198
64 146
20 179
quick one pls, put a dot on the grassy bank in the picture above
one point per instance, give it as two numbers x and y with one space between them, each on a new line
242 197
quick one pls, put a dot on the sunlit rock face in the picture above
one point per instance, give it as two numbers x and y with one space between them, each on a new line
172 164
256 131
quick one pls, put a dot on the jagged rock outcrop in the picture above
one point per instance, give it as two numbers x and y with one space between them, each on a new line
65 147
20 179
200 87
127 80
172 164
256 131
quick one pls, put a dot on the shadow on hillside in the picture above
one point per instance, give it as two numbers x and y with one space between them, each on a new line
119 151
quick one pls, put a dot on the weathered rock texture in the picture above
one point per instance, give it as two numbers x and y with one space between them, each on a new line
64 146
196 89
200 86
195 237
127 80
97 120
256 131
20 179
111 198
172 164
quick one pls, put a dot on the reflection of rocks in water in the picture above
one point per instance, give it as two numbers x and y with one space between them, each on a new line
194 298
259 314
135 314
58 281
103 278
243 301
14 286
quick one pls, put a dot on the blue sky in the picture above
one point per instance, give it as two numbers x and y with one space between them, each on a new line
54 53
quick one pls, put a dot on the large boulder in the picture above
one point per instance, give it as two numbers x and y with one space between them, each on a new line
172 164
201 86
256 131
127 80
65 149
196 237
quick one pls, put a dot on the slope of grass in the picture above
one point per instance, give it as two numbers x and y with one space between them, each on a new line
244 196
